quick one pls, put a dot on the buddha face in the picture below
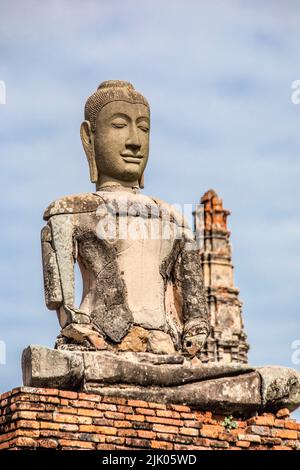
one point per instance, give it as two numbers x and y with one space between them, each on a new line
121 142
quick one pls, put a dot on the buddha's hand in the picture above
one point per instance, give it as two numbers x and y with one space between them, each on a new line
194 336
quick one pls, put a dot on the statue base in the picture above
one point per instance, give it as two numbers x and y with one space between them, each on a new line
49 418
220 388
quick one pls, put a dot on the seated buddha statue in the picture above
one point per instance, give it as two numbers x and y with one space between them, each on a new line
142 278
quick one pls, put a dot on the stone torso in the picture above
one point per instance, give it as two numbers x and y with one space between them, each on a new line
126 245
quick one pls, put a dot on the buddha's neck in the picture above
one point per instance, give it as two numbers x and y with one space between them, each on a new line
113 186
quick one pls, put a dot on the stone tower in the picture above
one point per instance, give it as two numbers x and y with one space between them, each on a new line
227 340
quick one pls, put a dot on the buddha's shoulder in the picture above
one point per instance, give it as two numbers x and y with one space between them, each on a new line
173 209
73 204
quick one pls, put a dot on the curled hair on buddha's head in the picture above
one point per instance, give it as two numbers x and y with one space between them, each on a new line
108 91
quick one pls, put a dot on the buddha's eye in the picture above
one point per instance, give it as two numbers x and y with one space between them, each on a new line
118 124
144 128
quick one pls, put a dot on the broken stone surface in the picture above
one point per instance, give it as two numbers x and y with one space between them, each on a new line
234 388
45 367
238 395
280 387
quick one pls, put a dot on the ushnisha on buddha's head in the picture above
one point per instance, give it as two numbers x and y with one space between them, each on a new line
115 135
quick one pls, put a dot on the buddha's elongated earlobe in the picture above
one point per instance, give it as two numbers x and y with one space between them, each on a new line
141 181
87 138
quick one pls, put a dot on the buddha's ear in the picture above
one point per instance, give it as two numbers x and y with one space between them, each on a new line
87 139
141 181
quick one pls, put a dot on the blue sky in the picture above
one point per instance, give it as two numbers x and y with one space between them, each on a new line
218 77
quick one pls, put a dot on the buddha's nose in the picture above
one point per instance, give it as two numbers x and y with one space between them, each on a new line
133 140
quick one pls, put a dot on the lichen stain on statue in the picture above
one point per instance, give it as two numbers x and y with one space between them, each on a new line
143 319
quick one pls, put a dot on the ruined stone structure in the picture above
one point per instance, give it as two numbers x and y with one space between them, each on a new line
227 340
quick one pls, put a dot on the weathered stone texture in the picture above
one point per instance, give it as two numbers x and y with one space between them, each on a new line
218 387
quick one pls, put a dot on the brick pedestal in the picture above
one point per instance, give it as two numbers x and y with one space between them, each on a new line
32 418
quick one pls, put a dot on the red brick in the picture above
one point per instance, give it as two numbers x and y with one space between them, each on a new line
68 427
249 438
189 431
106 407
107 446
227 436
146 434
115 400
169 414
123 424
283 413
211 430
281 448
48 400
161 445
22 423
67 394
285 434
37 391
31 415
114 440
88 412
192 424
48 443
127 432
163 428
23 406
244 444
215 444
26 442
168 421
190 416
135 417
49 425
125 409
159 406
262 420
7 436
259 430
99 429
132 441
73 443
103 422
44 416
138 403
89 396
271 440
65 418
27 433
67 410
145 411
180 408
292 425
7 444
184 447
114 415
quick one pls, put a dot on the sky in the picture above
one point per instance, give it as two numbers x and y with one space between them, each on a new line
218 76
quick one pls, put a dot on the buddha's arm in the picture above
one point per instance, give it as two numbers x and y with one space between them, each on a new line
58 265
189 281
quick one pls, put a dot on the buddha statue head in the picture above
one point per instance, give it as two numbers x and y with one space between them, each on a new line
115 135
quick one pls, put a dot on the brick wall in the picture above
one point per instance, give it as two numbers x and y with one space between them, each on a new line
56 419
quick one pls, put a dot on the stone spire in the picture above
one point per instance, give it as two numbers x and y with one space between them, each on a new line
227 340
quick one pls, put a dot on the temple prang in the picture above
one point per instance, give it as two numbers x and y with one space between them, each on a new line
227 341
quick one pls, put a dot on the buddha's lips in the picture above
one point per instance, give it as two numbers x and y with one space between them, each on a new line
131 158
